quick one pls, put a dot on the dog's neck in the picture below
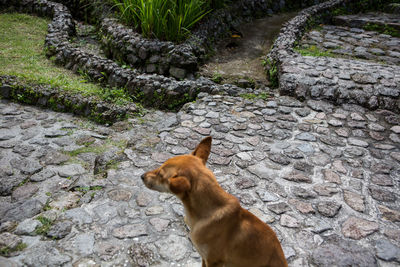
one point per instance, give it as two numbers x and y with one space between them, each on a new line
207 199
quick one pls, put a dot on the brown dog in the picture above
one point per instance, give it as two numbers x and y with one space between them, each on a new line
223 232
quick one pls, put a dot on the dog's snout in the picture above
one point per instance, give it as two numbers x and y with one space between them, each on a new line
143 176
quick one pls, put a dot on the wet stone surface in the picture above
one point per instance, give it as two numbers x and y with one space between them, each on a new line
314 186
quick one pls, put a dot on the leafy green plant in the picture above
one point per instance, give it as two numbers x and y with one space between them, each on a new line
217 77
163 19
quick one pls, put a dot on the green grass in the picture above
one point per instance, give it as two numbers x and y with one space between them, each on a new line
313 51
22 54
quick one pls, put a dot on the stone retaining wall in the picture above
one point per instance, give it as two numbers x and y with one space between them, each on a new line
58 100
369 84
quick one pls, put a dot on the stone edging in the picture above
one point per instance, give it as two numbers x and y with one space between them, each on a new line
337 80
53 98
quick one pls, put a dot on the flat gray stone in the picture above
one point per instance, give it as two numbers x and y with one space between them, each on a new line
25 191
306 137
306 148
27 209
173 248
328 208
387 251
45 254
357 228
60 229
26 165
260 170
43 175
296 176
130 230
354 200
279 208
71 170
289 221
342 253
78 215
84 243
27 227
267 196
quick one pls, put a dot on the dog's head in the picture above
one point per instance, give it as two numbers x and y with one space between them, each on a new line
177 174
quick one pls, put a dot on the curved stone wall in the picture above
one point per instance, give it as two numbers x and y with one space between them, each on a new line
369 84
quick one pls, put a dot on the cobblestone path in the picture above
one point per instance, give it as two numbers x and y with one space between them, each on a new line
355 43
326 178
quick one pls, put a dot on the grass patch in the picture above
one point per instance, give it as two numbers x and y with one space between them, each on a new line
21 54
313 51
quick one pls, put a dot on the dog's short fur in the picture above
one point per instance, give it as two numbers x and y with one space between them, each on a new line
223 232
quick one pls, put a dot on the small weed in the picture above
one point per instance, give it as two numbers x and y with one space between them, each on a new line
47 205
45 227
272 72
6 251
23 182
217 77
112 164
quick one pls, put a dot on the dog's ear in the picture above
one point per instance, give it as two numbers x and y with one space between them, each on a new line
179 184
203 149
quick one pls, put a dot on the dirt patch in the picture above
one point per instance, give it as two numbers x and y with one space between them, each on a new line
241 58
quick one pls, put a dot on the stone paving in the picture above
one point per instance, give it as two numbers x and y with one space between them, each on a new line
344 65
354 43
325 177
